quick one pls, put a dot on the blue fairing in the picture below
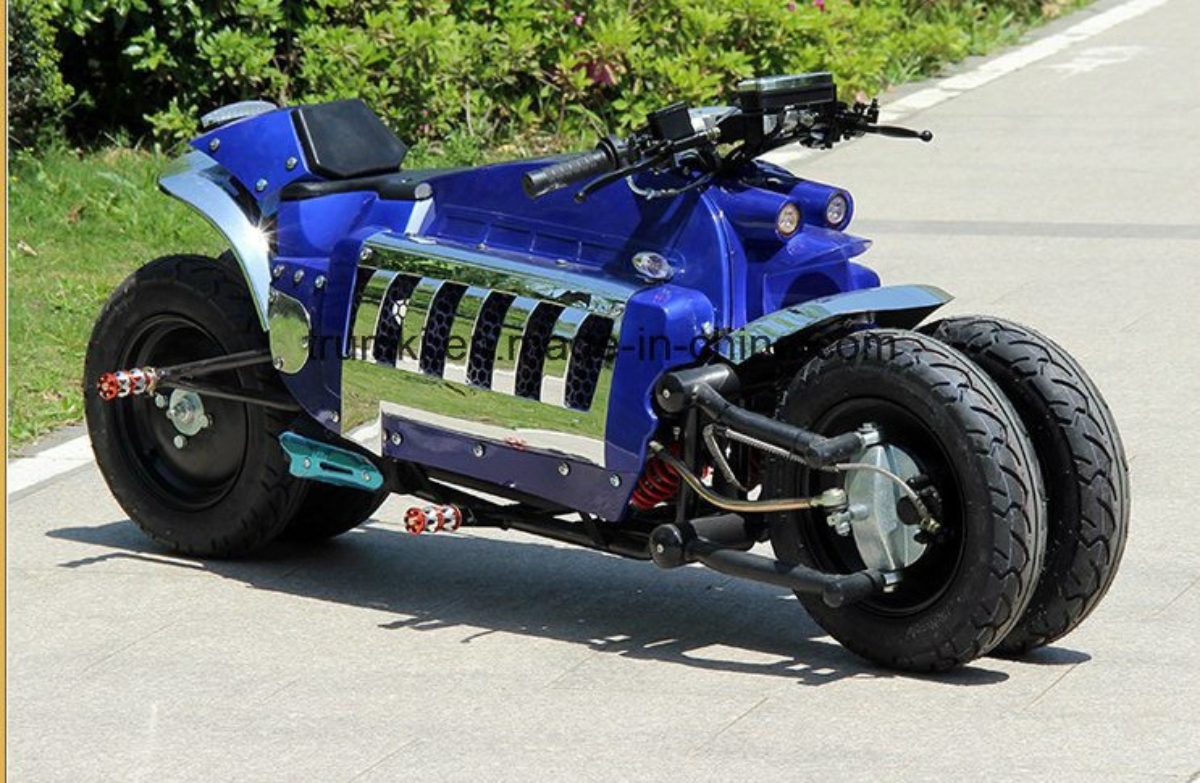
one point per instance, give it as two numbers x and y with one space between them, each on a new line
730 265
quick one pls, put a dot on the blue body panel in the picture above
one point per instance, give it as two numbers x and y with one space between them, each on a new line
258 149
731 270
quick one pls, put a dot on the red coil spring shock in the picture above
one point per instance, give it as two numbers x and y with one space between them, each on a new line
659 483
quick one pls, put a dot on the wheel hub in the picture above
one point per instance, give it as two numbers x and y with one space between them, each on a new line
185 409
882 538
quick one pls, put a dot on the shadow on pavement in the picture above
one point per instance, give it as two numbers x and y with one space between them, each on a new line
689 616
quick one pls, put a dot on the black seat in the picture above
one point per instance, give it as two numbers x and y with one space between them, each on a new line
345 140
414 185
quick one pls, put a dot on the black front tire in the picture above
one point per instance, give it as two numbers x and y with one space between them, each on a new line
228 491
1083 465
965 593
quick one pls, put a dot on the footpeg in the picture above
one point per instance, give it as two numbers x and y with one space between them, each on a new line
312 459
428 520
126 383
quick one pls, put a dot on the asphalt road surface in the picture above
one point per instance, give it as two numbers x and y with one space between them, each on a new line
1064 194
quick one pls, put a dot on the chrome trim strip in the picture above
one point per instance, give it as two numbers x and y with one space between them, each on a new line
416 218
204 185
570 285
370 310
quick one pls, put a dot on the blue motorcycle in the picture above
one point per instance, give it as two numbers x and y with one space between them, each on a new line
664 348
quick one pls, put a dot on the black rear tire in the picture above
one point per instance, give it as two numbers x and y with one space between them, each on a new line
227 492
964 593
329 511
1083 465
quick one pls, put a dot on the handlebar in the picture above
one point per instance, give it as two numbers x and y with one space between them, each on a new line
673 140
541 181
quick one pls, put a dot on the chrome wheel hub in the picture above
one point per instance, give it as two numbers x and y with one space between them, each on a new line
185 409
883 540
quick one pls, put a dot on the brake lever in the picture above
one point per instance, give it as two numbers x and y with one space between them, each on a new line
605 180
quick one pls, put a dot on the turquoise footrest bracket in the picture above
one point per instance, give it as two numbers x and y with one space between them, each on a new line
312 459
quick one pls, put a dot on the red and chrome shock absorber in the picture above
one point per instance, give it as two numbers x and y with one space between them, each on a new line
127 383
433 519
659 484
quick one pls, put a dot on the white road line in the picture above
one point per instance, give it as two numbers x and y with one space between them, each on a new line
26 472
990 70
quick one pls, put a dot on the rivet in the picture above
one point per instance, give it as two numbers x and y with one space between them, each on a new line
261 185
214 145
319 282
307 462
397 438
160 401
366 476
335 417
478 450
564 469
291 163
278 362
366 254
614 480
180 441
304 342
277 271
296 278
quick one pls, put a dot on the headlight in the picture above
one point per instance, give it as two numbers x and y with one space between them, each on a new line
787 222
837 209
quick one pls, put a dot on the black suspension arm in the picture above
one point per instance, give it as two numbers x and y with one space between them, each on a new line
699 387
145 380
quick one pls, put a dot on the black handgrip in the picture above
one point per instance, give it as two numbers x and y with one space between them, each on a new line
539 182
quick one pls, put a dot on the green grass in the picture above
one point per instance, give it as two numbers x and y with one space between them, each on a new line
78 225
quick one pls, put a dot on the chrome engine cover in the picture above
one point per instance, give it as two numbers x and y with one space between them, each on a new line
506 347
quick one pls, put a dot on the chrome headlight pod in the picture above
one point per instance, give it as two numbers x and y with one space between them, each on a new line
837 211
788 220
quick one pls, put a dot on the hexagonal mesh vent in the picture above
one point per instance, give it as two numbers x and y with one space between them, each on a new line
587 361
391 318
533 349
437 327
483 341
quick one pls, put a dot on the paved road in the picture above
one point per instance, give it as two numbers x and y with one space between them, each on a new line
1065 195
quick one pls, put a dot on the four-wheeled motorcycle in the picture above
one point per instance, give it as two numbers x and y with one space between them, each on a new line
662 348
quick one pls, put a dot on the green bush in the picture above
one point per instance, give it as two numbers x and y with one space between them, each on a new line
477 74
37 97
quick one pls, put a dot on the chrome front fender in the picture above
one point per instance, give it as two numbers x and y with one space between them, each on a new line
204 185
901 306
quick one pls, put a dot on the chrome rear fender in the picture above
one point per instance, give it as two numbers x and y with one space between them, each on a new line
204 185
